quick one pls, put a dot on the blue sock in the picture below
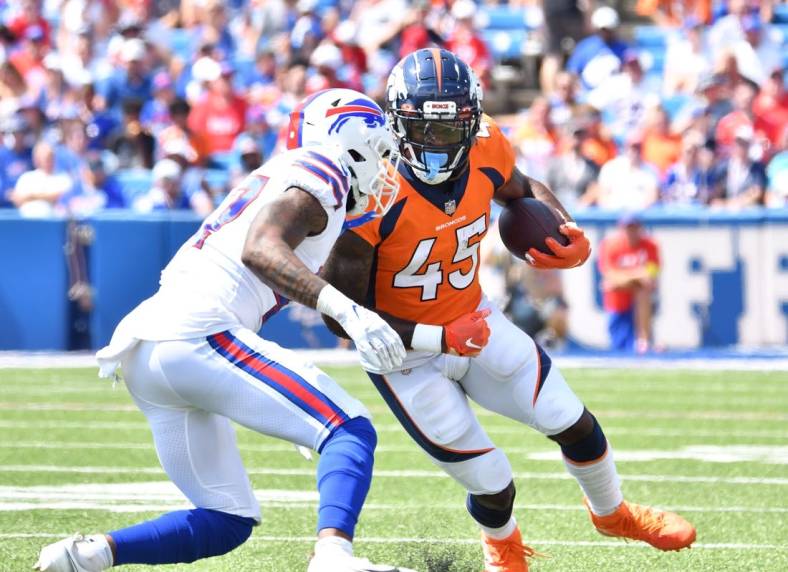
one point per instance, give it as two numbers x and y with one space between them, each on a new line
345 473
181 536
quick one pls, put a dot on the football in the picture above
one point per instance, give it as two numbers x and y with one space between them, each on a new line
526 223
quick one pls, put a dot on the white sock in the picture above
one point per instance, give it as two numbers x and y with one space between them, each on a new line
500 533
94 553
333 544
600 483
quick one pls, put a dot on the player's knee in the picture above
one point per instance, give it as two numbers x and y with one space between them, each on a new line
578 431
356 435
215 533
584 441
444 417
492 510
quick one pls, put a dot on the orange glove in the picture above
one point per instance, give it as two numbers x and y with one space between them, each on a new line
574 254
467 335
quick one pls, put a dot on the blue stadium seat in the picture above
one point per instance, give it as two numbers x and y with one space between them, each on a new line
217 179
224 161
134 182
501 18
505 45
650 37
781 14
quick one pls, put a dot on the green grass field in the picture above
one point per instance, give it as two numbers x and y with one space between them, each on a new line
75 455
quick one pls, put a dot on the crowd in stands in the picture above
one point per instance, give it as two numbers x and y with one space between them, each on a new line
165 105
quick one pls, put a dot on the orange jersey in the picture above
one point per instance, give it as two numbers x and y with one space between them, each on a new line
427 246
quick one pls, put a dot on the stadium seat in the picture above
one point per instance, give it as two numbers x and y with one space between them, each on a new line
501 18
781 14
134 182
217 179
224 161
650 37
505 45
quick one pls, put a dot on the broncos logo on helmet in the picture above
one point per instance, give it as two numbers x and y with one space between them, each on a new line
434 106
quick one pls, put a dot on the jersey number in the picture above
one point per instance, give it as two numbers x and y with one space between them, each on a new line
432 277
237 201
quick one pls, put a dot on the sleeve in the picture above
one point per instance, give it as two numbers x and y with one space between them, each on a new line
321 177
498 152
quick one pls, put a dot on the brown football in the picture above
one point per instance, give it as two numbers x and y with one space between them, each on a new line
526 223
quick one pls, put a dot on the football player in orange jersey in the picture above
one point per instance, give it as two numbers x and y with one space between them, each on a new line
419 263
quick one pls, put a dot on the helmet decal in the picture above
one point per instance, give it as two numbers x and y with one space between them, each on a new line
363 108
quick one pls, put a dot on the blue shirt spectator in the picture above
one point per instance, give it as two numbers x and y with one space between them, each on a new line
131 82
16 156
598 57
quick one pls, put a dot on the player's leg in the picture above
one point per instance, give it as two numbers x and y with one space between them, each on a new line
272 390
197 449
644 307
513 376
434 410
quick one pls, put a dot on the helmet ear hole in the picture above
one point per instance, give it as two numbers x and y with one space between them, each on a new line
357 157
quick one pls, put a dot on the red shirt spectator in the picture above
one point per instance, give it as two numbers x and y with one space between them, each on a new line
771 109
218 117
618 253
467 43
29 18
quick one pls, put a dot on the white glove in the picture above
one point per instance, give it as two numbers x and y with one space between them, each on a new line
380 346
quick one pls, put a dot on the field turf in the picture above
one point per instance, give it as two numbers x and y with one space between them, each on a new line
75 455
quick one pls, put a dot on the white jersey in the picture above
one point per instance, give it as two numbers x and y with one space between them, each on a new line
206 288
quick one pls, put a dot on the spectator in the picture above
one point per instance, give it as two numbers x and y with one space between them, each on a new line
692 180
29 61
629 265
97 190
165 194
250 157
307 32
37 192
213 29
565 25
759 52
132 81
598 57
661 148
743 179
218 117
16 155
29 17
326 61
416 33
179 130
345 36
564 106
54 94
82 57
623 97
685 61
740 117
132 144
597 145
627 182
258 129
729 29
777 172
536 139
193 183
571 176
536 304
467 43
770 109
12 88
155 114
670 12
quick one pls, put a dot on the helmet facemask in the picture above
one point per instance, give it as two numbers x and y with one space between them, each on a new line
374 181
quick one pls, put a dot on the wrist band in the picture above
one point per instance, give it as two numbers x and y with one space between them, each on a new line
427 338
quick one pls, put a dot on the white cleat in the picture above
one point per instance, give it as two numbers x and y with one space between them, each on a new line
341 562
75 554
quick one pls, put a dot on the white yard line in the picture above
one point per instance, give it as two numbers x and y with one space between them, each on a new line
722 432
402 474
39 360
457 541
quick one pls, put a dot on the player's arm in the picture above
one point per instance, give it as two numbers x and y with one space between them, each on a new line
348 268
578 250
269 252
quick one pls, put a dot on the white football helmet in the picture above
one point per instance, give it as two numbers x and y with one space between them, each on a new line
353 122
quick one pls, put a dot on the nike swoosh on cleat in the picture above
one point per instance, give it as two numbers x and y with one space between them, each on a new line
470 344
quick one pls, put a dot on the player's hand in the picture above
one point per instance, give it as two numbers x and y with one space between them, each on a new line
467 335
380 347
574 254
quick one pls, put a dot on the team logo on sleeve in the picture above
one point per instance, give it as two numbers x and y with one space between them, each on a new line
366 110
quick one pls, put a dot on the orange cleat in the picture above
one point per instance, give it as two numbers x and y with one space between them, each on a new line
660 528
507 555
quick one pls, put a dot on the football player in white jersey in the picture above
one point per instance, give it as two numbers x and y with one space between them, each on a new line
193 362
